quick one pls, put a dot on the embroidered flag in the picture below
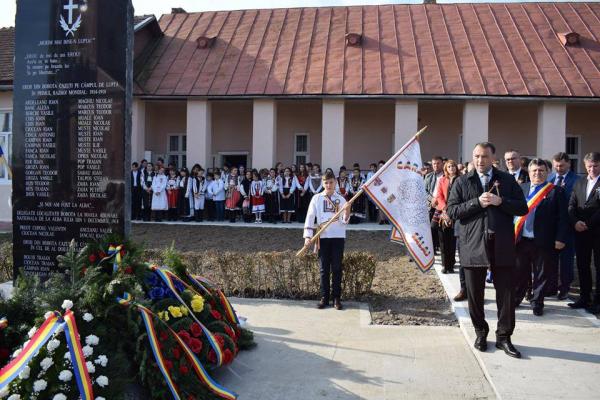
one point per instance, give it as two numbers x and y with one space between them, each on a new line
404 202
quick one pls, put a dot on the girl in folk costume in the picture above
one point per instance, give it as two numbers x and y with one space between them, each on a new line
173 194
218 193
257 189
147 177
286 195
372 209
272 196
301 203
359 205
209 203
159 199
225 174
279 169
183 201
232 195
314 183
199 193
245 192
241 174
342 186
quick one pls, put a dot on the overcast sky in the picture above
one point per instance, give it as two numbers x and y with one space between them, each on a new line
159 7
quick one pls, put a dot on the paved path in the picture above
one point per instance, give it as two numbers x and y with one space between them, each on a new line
294 225
307 354
561 349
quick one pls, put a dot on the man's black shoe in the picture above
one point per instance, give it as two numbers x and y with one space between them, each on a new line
538 311
529 295
481 343
563 295
507 347
579 304
322 304
593 309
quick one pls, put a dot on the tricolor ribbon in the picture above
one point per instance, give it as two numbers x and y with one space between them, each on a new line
82 377
201 282
147 316
51 325
169 279
533 200
116 252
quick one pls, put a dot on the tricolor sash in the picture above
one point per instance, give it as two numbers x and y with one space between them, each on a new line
533 200
82 377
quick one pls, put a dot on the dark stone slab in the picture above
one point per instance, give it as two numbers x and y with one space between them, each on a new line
72 124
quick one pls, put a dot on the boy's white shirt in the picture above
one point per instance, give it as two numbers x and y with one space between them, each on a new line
218 190
320 210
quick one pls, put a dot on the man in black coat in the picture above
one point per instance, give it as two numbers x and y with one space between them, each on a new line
136 192
584 215
484 203
540 234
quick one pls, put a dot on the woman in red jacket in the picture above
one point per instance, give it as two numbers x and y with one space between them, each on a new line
446 226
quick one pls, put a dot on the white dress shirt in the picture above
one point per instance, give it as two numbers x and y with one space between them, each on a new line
590 185
516 174
322 209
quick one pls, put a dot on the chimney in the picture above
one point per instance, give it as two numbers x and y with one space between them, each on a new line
568 38
178 10
354 39
205 42
429 2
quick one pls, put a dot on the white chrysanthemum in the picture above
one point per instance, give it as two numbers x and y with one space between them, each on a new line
65 375
92 340
24 374
102 381
87 351
100 398
16 353
87 317
4 393
26 343
67 305
39 385
32 332
53 345
14 397
59 396
48 314
102 360
46 363
91 367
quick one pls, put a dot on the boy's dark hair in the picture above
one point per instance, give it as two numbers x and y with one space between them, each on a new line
328 175
134 164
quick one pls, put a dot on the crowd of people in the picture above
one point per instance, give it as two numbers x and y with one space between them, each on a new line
234 193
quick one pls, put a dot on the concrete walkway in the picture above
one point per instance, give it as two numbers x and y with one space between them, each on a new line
294 225
561 349
307 354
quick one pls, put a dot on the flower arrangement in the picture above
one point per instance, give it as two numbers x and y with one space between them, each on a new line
196 329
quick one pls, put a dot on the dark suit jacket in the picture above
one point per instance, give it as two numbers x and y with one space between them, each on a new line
551 220
430 180
474 220
585 209
568 182
523 176
139 179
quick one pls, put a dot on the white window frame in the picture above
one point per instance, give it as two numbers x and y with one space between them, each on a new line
7 147
578 156
306 153
179 153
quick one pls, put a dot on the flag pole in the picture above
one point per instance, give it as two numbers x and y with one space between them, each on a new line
349 202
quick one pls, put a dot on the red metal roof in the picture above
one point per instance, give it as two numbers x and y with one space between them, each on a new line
499 49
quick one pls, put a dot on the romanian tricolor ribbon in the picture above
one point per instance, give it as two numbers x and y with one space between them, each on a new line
82 377
3 323
115 251
204 377
201 282
3 161
533 200
39 339
169 279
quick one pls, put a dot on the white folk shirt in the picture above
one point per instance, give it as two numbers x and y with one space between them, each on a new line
321 209
590 185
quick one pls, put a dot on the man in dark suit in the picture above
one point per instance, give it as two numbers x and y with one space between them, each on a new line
431 186
540 234
512 159
565 178
136 192
484 203
584 215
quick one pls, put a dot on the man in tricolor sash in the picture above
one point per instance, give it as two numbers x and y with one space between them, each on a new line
322 208
484 203
540 234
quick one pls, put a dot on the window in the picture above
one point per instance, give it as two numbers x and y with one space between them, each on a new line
573 149
301 146
176 150
5 143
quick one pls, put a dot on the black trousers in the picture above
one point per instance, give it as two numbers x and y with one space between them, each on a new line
146 204
136 203
210 209
503 282
539 260
447 246
331 252
587 243
434 228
